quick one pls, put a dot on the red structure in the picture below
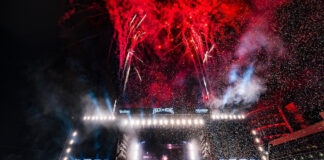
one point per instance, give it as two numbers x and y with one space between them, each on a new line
271 121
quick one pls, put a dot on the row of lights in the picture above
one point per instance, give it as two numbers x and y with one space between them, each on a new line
162 122
71 142
257 140
227 116
99 118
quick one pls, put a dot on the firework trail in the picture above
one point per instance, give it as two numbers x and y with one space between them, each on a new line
201 38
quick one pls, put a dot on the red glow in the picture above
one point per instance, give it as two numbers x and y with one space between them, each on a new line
274 136
161 34
269 126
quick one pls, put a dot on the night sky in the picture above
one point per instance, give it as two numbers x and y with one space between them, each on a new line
52 59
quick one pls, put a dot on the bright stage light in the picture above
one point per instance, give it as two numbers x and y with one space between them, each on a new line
65 158
154 121
74 133
161 122
178 122
195 121
134 151
225 116
193 151
189 121
143 122
68 150
166 122
172 121
213 116
132 122
137 122
105 117
201 121
260 149
149 122
84 118
71 142
183 122
264 157
243 116
254 132
164 158
125 122
257 140
234 116
93 118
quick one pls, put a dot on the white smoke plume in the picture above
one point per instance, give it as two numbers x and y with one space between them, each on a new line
241 92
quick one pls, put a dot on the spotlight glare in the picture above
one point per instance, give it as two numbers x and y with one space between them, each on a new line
257 140
196 121
234 117
166 122
149 122
189 121
264 157
164 158
132 122
172 121
178 122
213 116
68 150
143 121
74 133
71 142
137 122
201 122
65 158
154 121
161 122
260 149
254 132
183 121
125 122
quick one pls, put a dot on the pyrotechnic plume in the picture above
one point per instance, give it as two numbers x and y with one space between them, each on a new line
201 37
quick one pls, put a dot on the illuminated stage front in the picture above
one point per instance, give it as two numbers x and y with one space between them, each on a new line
164 135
